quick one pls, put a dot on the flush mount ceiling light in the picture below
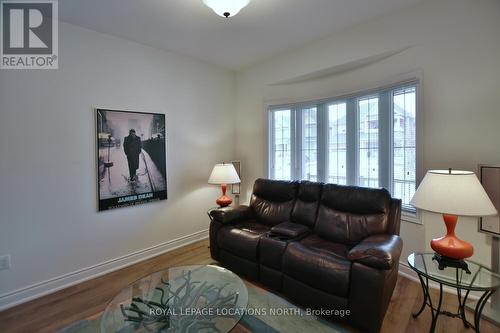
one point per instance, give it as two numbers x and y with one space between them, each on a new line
226 8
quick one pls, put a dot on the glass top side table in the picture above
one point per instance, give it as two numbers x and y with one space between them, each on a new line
481 279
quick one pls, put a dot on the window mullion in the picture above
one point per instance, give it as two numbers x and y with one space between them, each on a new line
390 156
322 142
352 141
384 140
297 149
271 144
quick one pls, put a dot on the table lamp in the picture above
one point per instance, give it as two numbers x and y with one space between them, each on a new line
223 174
452 193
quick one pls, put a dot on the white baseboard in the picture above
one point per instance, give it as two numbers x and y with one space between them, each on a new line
39 289
43 288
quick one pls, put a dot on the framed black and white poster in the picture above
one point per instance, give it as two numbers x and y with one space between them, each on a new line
490 179
131 158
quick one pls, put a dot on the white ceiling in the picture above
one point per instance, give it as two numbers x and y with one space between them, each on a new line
263 29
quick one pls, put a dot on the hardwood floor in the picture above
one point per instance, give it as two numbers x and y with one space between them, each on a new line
88 299
57 310
407 298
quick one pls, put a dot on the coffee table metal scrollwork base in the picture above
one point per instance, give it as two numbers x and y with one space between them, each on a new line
481 280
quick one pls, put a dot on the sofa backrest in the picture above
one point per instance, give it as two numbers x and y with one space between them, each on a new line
272 200
307 202
348 214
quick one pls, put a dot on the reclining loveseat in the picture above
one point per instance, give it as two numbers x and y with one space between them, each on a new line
323 246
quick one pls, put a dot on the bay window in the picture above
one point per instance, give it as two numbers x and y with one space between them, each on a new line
366 139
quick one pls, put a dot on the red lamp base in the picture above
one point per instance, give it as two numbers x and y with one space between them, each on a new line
451 246
224 200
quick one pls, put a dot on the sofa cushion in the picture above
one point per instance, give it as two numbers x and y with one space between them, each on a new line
320 244
319 263
272 201
357 200
348 214
307 202
242 239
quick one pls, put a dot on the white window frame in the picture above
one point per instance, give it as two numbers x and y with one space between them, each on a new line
270 141
352 158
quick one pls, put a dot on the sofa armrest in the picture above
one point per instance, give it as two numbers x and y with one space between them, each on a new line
394 217
377 251
229 214
290 230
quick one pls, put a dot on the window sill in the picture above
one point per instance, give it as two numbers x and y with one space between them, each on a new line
410 217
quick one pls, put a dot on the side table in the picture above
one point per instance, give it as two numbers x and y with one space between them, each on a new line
481 279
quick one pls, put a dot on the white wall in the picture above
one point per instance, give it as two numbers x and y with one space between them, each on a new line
454 46
49 221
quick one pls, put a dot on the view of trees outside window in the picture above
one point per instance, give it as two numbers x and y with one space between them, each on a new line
282 144
309 144
404 144
337 149
368 142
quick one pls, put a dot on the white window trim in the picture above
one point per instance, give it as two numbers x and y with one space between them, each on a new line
411 217
413 78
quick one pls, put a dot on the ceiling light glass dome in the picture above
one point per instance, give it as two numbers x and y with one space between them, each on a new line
226 8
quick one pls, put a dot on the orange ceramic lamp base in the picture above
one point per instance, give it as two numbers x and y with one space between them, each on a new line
450 245
224 200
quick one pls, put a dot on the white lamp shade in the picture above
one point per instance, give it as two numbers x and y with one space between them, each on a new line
224 174
455 193
221 7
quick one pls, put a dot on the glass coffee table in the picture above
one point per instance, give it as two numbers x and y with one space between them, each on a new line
481 279
185 299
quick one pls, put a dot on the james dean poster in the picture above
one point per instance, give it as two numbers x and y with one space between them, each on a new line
131 158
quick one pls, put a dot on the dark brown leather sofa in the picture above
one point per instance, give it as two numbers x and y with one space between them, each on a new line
323 246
